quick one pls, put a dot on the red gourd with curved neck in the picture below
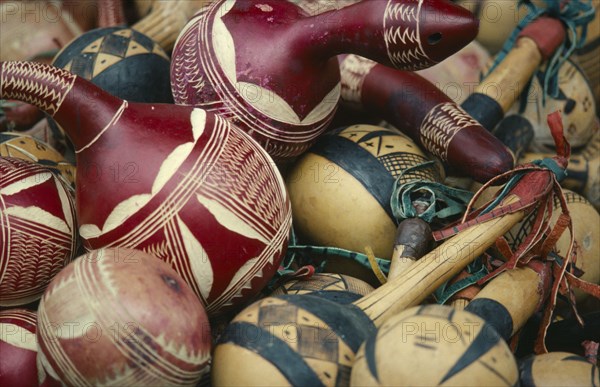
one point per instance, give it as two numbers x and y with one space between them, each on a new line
271 68
174 181
422 111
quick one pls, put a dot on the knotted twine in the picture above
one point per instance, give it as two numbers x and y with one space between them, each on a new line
541 241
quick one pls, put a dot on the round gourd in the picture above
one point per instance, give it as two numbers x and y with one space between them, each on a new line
341 189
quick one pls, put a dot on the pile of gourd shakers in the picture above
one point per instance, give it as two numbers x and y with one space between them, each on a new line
302 192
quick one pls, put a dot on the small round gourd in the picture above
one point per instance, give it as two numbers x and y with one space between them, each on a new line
38 234
558 369
434 345
122 317
341 188
18 347
575 101
122 61
585 220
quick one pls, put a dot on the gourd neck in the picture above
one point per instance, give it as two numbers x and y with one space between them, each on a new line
110 13
406 34
81 108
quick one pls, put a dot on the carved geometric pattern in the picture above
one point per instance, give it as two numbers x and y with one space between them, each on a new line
151 357
319 346
35 83
402 36
37 236
396 163
353 71
195 67
111 49
235 180
440 126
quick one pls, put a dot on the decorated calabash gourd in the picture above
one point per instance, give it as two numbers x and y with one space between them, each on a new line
556 369
120 60
271 68
575 101
427 115
131 321
435 345
342 187
131 63
18 346
304 340
334 286
493 97
586 230
38 235
319 339
27 148
205 198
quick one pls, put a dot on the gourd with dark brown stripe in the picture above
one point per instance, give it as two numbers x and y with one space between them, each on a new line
341 188
558 369
333 286
305 340
435 345
587 238
131 63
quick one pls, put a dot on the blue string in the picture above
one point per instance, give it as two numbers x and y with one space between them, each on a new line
573 14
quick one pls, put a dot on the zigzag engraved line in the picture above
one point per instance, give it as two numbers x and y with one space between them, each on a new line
440 126
401 34
35 83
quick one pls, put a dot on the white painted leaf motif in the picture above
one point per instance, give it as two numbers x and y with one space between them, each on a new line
199 260
230 220
242 271
36 214
23 184
18 337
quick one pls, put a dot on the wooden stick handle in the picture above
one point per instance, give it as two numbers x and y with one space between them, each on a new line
494 96
435 268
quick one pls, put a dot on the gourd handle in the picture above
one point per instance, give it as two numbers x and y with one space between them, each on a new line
406 34
494 96
80 107
110 13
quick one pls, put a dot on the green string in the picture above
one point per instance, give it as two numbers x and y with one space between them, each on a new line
300 255
573 14
360 258
441 201
553 166
477 270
